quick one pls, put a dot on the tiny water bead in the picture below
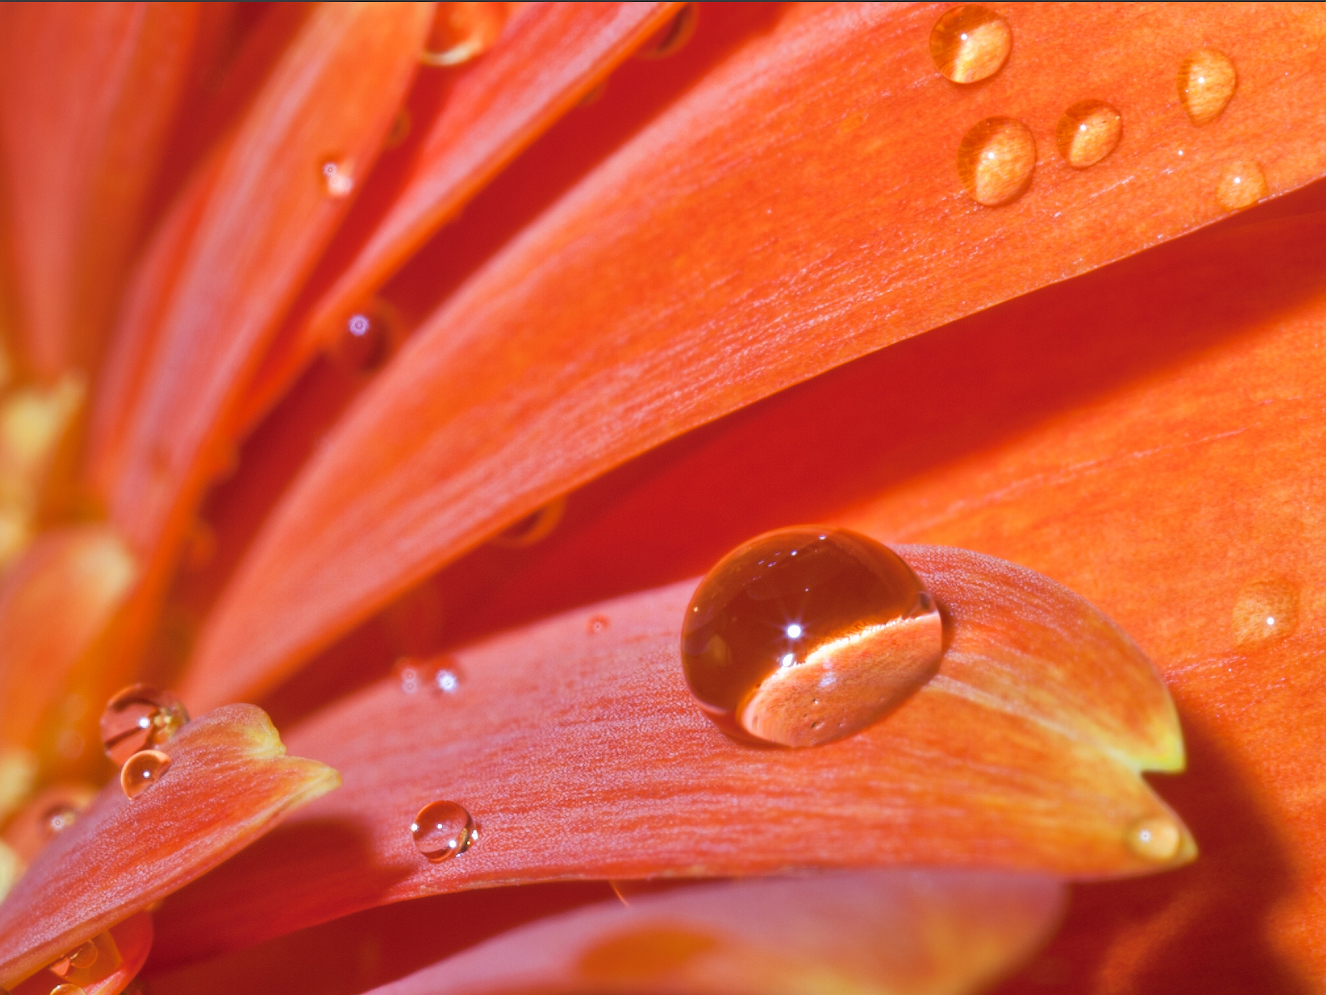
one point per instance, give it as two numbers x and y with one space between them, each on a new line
80 958
1265 612
970 43
1157 839
143 770
443 830
336 178
995 161
672 37
442 675
1088 132
461 32
806 635
67 989
367 338
1207 81
57 819
139 717
1242 184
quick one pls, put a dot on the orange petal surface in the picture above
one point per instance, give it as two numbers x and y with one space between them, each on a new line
228 782
580 753
709 263
901 932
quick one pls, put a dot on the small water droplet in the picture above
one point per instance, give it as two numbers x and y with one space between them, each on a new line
142 770
447 681
1207 81
532 528
1241 185
441 675
1157 839
597 624
1088 132
443 830
67 989
995 161
461 32
336 178
57 819
970 43
867 637
139 717
672 37
1265 612
80 958
368 338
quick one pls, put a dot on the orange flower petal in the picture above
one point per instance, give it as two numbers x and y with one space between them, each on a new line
228 783
87 93
548 57
710 263
580 753
130 942
902 932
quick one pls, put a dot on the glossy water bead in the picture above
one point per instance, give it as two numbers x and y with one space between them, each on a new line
80 958
806 635
996 159
443 829
970 43
139 717
143 770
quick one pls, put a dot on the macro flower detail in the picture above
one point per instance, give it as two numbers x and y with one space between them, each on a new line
393 374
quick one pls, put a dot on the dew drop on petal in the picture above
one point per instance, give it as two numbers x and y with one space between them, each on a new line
970 43
1088 132
57 819
1156 839
367 338
1265 611
337 180
867 637
532 528
139 717
597 624
672 37
461 32
67 989
80 958
446 681
443 830
1207 81
995 161
142 770
1241 185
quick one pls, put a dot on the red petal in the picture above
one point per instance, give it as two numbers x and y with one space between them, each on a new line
87 92
581 754
228 783
711 262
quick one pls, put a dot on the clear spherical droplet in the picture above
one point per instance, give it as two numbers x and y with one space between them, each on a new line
970 43
995 161
1242 184
1207 81
461 32
137 718
806 635
142 770
80 958
442 830
337 179
1265 612
367 338
1088 132
1157 839
67 989
672 37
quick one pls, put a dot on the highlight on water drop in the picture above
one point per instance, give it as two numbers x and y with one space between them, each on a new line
367 338
1156 839
337 180
441 675
67 989
1207 81
442 830
461 32
970 43
1088 132
57 819
996 159
80 958
139 717
142 770
805 635
1265 611
1242 184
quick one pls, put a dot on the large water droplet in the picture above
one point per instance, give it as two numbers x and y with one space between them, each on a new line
142 770
1207 81
805 635
1156 839
442 830
1241 185
137 718
996 159
672 37
337 179
970 43
67 989
1088 132
461 32
81 957
1265 612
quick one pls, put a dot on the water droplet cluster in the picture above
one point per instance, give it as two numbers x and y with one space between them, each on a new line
139 717
806 635
442 830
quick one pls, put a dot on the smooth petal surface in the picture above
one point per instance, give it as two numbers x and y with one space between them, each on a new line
580 753
130 943
228 782
87 94
886 932
547 58
710 263
262 218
